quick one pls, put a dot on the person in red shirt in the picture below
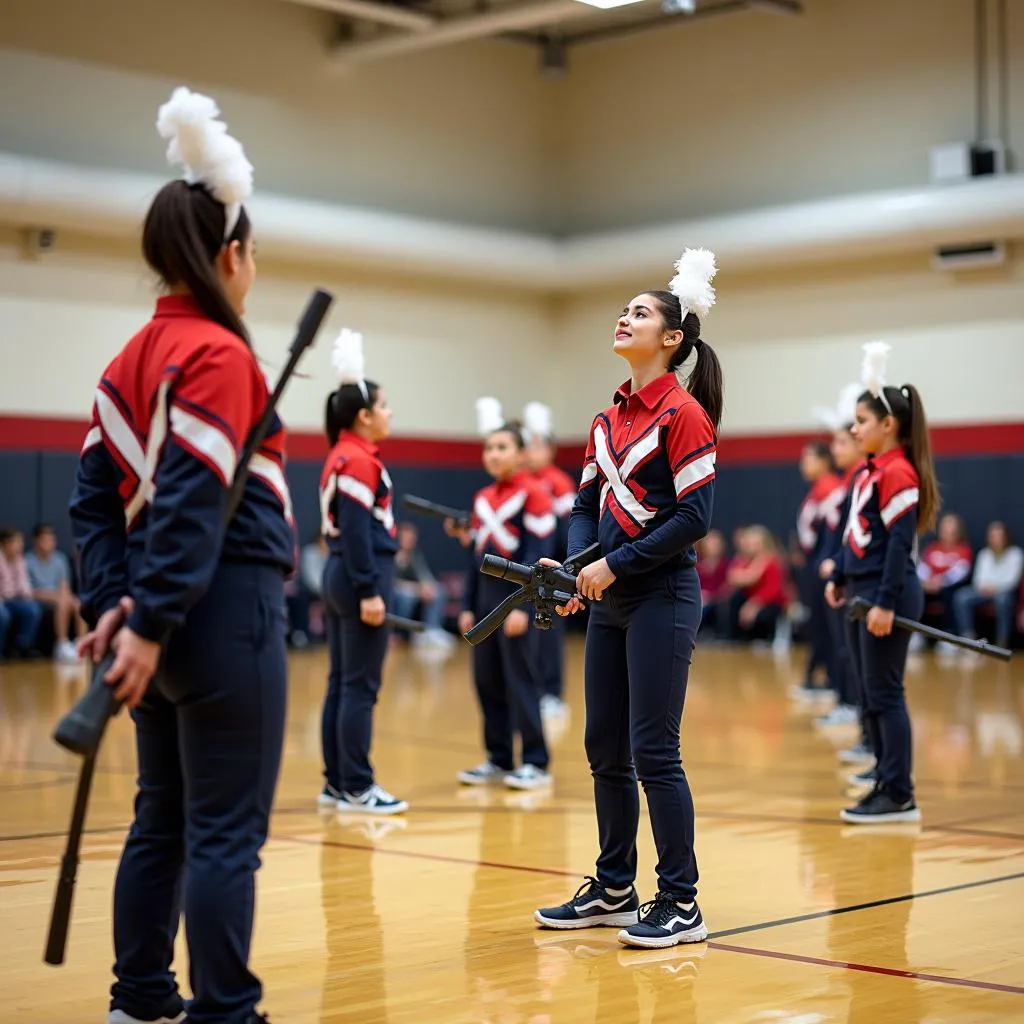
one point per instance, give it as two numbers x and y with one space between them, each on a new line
646 497
945 567
17 605
759 582
511 518
359 523
892 501
712 571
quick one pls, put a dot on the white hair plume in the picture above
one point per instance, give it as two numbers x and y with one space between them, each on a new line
347 357
843 412
200 143
489 417
537 421
695 270
872 370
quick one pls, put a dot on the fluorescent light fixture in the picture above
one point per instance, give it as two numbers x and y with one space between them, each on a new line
607 5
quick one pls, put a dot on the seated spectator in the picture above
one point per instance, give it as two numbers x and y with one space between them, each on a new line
416 590
712 567
945 567
997 575
19 610
50 578
759 581
303 590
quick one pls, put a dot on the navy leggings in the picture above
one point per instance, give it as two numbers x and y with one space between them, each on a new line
550 648
357 653
640 639
505 674
879 664
209 735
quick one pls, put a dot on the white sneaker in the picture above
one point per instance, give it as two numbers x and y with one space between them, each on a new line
527 777
552 706
945 650
65 652
485 774
328 797
120 1017
375 800
841 714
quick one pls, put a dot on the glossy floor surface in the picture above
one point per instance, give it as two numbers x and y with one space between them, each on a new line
427 919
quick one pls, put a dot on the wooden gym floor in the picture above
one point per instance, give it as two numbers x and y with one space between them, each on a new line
427 919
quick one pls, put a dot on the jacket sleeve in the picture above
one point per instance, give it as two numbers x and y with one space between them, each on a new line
898 495
355 495
583 520
98 529
691 448
539 525
209 410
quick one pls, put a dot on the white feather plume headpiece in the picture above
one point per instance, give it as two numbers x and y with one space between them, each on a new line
872 370
489 416
200 143
537 421
348 359
695 270
843 413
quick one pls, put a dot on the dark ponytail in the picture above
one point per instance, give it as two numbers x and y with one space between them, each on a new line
182 236
908 409
343 407
705 383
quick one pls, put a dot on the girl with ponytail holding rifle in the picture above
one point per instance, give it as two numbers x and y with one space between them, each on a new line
171 417
358 522
892 501
646 495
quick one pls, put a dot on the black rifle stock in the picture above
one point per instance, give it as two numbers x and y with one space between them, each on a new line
82 728
435 511
859 608
546 587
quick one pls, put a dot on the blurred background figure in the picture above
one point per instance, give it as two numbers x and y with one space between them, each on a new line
418 595
995 586
945 568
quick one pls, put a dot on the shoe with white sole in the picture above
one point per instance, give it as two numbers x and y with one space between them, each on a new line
878 808
328 798
375 800
665 922
840 715
173 1014
868 777
593 906
857 754
528 776
485 774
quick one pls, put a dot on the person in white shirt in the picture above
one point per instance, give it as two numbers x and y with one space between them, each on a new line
997 575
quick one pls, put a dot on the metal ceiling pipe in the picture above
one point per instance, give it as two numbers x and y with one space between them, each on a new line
456 30
373 10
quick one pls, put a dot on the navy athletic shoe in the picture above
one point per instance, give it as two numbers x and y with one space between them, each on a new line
592 907
878 808
665 922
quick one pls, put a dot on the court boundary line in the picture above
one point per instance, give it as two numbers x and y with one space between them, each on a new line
892 972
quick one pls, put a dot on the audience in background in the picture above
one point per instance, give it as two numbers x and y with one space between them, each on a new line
20 613
49 575
417 593
996 582
712 570
304 593
758 578
945 567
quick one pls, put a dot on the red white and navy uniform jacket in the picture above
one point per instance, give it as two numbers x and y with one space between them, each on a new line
647 487
948 564
880 531
511 518
170 419
819 515
357 515
561 488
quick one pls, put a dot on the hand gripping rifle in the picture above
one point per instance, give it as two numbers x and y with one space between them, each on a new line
859 608
81 729
546 587
435 511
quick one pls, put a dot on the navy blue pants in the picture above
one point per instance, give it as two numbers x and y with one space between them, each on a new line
879 664
209 736
357 653
819 637
843 678
550 651
640 639
505 675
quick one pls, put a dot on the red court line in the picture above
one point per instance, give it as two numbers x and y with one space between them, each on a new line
892 972
417 855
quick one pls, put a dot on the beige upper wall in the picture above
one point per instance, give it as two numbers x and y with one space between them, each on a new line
456 134
715 114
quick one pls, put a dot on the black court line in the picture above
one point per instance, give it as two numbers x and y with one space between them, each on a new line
817 915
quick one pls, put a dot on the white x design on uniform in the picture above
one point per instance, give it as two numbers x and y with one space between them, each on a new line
493 520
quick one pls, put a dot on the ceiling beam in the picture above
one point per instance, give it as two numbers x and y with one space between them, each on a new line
376 11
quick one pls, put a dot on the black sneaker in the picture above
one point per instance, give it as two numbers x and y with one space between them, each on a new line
878 808
592 907
868 777
665 922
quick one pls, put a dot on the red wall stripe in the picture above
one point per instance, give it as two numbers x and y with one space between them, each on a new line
44 434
